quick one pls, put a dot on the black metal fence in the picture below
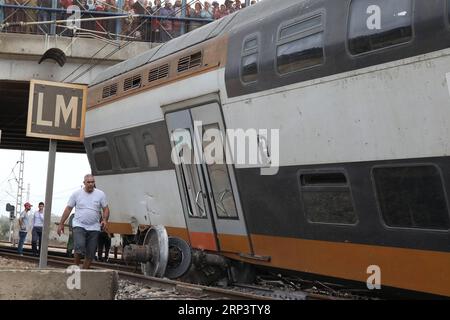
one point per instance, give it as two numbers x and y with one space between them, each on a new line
159 26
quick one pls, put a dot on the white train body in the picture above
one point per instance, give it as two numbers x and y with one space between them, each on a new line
363 144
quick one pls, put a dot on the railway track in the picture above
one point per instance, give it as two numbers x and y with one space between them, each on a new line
59 258
54 250
179 289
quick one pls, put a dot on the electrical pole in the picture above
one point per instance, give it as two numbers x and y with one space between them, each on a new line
28 193
19 194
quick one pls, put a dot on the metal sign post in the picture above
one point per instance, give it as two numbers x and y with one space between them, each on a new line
48 203
55 111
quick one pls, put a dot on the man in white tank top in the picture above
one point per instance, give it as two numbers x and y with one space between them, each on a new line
90 205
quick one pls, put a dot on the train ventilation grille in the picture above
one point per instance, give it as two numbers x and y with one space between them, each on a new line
158 73
132 82
189 62
109 91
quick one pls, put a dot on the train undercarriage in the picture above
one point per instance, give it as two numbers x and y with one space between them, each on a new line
160 255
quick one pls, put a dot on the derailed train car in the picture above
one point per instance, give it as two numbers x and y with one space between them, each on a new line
357 173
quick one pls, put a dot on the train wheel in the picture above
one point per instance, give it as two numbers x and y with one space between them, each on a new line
157 241
180 258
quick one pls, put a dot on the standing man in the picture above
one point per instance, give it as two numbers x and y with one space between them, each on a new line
104 241
36 234
88 203
70 240
23 227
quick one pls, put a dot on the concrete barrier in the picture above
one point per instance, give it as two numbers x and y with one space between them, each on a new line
58 284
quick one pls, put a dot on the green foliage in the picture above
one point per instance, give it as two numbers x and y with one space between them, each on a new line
4 228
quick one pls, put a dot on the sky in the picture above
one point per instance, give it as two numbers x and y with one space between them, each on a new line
70 169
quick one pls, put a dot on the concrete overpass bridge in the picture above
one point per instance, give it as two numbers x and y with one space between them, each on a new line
19 63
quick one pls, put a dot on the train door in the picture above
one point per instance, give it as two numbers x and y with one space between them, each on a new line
211 203
191 181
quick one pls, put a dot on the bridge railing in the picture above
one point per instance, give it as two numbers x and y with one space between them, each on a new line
74 22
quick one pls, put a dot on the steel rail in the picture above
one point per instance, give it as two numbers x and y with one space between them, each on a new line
188 289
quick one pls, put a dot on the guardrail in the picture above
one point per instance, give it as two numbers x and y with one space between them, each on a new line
74 22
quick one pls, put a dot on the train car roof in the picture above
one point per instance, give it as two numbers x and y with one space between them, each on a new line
187 40
248 15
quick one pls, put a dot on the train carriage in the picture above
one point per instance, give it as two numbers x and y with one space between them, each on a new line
357 93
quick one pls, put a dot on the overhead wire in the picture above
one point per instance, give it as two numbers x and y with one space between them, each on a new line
12 171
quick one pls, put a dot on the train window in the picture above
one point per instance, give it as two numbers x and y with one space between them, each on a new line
186 190
377 24
412 197
218 173
303 26
301 45
152 158
190 174
250 68
252 43
249 61
150 150
448 10
327 198
126 150
102 158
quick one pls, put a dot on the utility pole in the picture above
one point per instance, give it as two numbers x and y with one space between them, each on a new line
28 193
20 183
19 194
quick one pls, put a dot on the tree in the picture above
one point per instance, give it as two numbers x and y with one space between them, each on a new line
4 228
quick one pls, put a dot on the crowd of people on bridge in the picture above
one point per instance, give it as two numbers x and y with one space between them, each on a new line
151 25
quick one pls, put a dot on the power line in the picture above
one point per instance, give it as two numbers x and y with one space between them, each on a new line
12 171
